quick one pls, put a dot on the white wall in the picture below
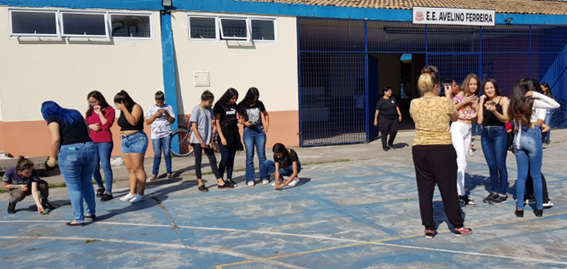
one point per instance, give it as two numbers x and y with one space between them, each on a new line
270 66
33 72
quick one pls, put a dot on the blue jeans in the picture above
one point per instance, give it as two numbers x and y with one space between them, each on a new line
286 172
159 144
104 153
494 140
77 163
135 143
547 121
529 156
227 159
255 136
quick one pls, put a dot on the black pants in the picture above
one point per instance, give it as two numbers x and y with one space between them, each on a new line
198 151
437 165
388 126
228 153
530 185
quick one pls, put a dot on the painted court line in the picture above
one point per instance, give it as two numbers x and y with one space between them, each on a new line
252 259
154 244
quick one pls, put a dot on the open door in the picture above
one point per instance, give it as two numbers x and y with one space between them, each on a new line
372 92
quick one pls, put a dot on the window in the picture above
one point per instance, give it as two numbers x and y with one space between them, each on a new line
130 26
263 30
33 23
216 28
84 24
202 28
234 28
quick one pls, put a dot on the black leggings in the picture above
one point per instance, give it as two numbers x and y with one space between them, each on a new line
437 165
388 126
198 151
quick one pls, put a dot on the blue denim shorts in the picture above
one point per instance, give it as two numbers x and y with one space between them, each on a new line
135 143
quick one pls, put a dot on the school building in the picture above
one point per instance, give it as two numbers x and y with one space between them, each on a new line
319 64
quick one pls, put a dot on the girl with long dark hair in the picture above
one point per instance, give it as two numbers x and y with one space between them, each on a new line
434 157
285 163
253 115
134 144
77 157
466 103
100 117
527 141
226 122
493 116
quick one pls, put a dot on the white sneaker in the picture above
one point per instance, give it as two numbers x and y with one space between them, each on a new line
471 153
273 183
294 182
250 183
265 181
136 198
127 197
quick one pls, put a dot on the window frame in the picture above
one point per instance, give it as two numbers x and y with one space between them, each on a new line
248 28
272 19
215 17
16 35
131 14
219 37
62 22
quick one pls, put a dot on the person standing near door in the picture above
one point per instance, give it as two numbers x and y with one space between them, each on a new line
387 118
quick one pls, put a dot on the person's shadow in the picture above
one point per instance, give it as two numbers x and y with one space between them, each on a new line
155 196
440 217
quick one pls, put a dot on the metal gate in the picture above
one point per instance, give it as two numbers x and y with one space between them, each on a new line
337 94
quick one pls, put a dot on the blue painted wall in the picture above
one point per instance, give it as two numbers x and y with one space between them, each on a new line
268 9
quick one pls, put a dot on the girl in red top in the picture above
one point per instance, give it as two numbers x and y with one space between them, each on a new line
100 118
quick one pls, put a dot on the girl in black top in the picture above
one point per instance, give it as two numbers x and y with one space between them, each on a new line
285 163
228 137
493 115
387 117
77 157
134 144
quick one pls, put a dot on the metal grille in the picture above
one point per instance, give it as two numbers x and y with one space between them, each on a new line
330 86
334 66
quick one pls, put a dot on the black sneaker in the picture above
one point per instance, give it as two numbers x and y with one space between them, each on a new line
202 188
106 197
232 183
547 203
538 213
385 149
226 185
499 199
47 204
489 197
12 208
392 146
465 201
100 192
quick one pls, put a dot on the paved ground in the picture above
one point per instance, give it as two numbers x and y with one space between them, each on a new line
356 207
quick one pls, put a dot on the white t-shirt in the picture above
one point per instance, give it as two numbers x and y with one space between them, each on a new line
160 127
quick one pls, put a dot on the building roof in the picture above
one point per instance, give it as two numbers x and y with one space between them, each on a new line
500 6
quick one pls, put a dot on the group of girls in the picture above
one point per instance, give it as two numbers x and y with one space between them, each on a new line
225 117
440 148
81 146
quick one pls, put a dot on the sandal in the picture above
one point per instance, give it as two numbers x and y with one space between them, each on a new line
150 179
169 176
93 217
75 223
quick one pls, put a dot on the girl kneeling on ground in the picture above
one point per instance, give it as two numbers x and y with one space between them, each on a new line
285 163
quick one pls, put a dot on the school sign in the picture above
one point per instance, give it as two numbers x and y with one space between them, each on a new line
453 16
